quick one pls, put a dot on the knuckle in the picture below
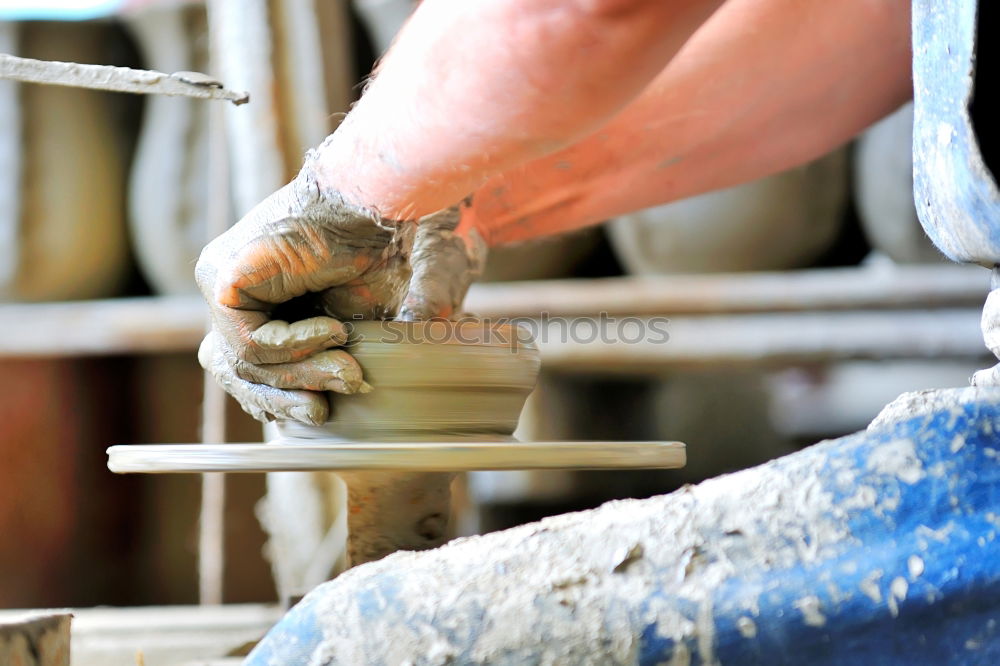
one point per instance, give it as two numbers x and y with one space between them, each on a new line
249 353
205 268
238 345
239 380
246 371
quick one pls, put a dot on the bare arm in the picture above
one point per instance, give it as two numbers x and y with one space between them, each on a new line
763 86
474 87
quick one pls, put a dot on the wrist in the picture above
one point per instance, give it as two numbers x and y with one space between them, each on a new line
332 176
345 163
320 198
363 165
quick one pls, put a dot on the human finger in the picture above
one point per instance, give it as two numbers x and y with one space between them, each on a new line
261 401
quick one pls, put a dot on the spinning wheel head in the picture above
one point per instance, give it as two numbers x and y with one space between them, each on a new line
446 397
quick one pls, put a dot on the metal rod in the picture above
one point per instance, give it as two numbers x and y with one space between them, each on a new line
116 79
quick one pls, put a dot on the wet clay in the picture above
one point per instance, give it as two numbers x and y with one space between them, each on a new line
431 380
390 511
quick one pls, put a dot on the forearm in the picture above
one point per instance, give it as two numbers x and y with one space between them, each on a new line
473 88
763 86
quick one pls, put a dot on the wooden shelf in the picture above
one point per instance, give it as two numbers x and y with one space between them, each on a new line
775 339
163 634
875 287
112 326
812 315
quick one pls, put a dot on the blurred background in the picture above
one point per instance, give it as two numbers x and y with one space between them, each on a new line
799 304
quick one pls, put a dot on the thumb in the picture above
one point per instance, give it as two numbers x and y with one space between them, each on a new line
447 256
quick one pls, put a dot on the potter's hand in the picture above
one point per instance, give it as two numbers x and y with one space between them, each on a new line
448 254
991 334
335 260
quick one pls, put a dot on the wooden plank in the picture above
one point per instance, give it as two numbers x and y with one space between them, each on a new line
176 324
112 326
162 634
772 339
814 289
776 308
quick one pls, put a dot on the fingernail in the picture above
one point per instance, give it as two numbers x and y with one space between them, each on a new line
348 387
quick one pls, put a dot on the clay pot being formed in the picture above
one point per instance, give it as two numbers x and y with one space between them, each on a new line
436 381
462 380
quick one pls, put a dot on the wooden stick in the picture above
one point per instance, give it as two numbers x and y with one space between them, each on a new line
116 79
12 160
211 527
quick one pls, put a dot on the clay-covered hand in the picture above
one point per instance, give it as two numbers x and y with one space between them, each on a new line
280 281
305 256
991 334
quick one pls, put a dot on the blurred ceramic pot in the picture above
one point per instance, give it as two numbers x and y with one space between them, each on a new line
883 190
543 259
783 221
62 228
168 186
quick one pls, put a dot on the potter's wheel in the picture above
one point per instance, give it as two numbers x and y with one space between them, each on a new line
419 456
446 397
